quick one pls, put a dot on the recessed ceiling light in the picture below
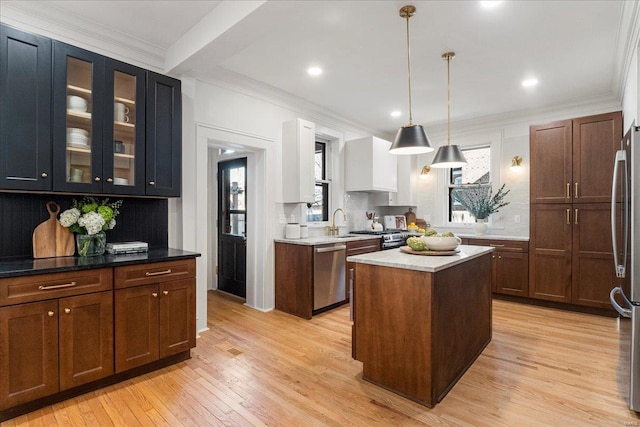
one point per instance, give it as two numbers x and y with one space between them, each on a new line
530 82
490 4
396 114
314 71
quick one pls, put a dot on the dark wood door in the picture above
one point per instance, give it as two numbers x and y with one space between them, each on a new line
550 252
595 142
28 352
232 232
123 150
593 274
551 163
164 136
77 134
86 338
512 273
177 316
25 110
356 248
136 330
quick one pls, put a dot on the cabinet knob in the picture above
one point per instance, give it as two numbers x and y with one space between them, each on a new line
152 183
154 294
67 310
499 256
96 179
50 314
44 174
109 179
493 256
165 292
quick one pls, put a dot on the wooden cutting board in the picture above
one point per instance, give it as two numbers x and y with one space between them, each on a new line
50 238
408 250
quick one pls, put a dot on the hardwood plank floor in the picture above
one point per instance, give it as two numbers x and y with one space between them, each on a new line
543 367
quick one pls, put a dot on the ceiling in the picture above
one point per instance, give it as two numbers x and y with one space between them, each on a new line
576 49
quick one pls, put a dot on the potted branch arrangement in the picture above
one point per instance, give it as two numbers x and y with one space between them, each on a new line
480 202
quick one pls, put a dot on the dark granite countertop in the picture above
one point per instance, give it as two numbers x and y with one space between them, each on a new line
29 266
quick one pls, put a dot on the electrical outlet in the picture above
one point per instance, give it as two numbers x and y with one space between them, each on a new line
516 219
282 219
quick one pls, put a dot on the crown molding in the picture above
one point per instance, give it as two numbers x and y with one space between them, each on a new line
71 28
626 45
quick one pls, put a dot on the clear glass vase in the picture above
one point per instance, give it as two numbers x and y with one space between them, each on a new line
91 245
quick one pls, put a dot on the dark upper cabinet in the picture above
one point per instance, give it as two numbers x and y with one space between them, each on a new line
74 121
25 110
78 119
164 135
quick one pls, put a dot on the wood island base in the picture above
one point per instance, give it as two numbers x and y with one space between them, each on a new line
417 332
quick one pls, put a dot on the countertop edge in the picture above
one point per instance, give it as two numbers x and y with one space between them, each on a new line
29 266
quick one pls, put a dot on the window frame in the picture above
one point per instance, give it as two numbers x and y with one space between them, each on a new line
326 181
450 186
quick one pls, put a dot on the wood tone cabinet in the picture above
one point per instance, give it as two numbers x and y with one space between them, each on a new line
298 151
356 248
75 121
510 265
572 160
156 320
294 279
62 340
25 110
369 166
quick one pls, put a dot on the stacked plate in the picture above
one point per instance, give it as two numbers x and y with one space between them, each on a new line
76 103
77 137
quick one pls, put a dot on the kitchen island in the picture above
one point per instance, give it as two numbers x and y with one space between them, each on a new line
421 321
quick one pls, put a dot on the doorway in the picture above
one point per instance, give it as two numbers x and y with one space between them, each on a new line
232 227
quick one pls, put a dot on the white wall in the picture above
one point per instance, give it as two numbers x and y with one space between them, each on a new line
630 96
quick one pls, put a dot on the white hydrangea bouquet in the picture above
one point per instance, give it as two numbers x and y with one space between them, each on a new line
91 217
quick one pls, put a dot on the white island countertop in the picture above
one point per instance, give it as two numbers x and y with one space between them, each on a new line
323 240
397 259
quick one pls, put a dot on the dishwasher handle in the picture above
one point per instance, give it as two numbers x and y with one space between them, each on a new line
331 249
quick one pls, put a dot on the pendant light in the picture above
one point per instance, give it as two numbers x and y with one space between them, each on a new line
448 156
410 139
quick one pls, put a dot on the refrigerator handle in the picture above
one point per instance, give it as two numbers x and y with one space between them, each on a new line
620 267
624 312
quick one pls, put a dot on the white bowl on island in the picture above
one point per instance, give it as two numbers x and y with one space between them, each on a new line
437 243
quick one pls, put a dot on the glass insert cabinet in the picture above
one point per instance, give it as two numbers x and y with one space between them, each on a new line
99 123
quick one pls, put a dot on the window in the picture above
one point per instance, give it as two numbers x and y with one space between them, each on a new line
477 172
319 209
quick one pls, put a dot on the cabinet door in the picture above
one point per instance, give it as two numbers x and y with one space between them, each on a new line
593 271
78 113
123 148
595 142
550 252
551 163
177 317
512 273
136 330
86 338
25 110
28 352
164 136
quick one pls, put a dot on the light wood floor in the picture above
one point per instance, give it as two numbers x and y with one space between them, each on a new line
543 368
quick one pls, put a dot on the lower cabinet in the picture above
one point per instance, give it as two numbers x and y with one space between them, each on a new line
59 342
153 322
510 265
356 248
155 312
60 331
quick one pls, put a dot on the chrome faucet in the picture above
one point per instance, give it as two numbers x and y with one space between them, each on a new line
333 230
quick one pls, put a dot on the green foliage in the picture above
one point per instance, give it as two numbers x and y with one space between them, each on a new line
478 200
417 244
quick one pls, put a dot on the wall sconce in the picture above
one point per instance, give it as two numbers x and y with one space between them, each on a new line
516 163
424 173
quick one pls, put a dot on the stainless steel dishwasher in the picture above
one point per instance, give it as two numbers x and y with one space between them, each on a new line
329 275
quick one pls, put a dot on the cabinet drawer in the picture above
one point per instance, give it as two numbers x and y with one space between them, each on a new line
363 246
501 245
144 274
17 290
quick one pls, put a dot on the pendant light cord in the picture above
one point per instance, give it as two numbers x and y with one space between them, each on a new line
448 101
409 68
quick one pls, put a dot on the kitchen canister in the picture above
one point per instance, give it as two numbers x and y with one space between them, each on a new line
304 231
292 231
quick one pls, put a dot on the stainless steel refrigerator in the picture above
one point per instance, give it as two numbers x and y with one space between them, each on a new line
625 233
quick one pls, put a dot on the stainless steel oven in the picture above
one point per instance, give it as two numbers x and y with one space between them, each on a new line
390 239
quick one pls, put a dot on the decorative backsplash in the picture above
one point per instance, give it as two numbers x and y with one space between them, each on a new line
140 219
